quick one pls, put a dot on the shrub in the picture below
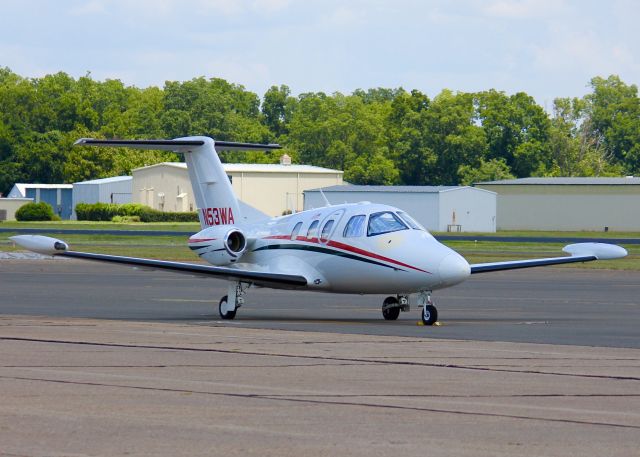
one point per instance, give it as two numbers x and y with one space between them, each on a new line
35 212
129 212
96 211
125 219
131 209
153 215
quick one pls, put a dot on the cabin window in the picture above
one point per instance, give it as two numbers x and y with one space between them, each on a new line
384 222
295 231
355 226
313 230
326 230
411 222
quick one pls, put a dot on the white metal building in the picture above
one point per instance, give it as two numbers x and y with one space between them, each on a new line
567 203
9 206
56 195
107 190
438 208
270 188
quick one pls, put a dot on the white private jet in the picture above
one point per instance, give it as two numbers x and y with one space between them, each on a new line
361 248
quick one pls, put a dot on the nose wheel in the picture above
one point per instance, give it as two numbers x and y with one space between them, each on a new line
429 312
429 315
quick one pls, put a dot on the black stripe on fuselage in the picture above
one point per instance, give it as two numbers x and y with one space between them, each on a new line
322 250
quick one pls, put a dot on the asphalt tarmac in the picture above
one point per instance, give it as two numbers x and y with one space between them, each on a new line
543 305
99 359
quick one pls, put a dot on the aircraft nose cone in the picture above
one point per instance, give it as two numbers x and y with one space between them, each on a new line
453 269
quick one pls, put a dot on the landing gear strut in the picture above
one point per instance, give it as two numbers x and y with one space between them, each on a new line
230 303
429 312
392 306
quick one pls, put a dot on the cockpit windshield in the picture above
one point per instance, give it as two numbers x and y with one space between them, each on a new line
411 222
384 222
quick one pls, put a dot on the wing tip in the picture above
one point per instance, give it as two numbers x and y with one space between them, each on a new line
601 251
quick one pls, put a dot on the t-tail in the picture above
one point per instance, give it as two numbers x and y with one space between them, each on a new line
216 202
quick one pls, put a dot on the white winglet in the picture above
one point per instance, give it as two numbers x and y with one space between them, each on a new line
40 244
602 251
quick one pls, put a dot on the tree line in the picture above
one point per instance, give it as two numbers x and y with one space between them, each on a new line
377 136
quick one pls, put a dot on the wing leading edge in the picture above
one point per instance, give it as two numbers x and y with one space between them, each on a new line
579 252
51 246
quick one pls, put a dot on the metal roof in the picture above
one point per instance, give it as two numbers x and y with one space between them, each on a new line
23 186
398 189
566 181
106 180
255 167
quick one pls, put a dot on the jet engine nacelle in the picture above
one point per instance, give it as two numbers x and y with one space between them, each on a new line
220 245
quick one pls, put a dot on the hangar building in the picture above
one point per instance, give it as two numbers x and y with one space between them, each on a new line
9 206
438 208
57 195
107 190
270 188
598 204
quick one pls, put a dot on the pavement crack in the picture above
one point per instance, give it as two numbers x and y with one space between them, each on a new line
325 402
324 358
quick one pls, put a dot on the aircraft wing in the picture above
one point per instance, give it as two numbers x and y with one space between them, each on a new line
579 252
51 246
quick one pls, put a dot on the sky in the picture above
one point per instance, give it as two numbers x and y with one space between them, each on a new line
546 48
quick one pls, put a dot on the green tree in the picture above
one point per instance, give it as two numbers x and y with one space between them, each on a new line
343 132
490 170
453 135
277 107
614 118
575 150
517 129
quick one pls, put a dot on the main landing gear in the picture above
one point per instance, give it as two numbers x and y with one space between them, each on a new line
230 303
392 306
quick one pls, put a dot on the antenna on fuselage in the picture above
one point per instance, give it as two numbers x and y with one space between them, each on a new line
324 197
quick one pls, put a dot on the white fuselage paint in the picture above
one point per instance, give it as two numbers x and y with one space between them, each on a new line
399 262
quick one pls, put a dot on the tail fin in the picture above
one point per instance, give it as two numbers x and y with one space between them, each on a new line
217 204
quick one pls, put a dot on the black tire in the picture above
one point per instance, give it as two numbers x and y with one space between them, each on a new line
229 314
429 315
390 314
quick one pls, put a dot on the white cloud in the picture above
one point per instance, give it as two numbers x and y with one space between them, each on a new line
523 8
88 8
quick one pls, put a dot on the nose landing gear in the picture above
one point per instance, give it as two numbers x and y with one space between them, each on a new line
429 312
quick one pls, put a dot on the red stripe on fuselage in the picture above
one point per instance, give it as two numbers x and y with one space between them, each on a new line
346 247
200 240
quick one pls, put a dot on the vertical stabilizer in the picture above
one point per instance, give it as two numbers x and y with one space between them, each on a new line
216 202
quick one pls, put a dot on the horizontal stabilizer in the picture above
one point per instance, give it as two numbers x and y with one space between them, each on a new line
177 145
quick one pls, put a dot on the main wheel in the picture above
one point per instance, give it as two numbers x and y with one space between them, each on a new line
429 315
390 313
229 314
